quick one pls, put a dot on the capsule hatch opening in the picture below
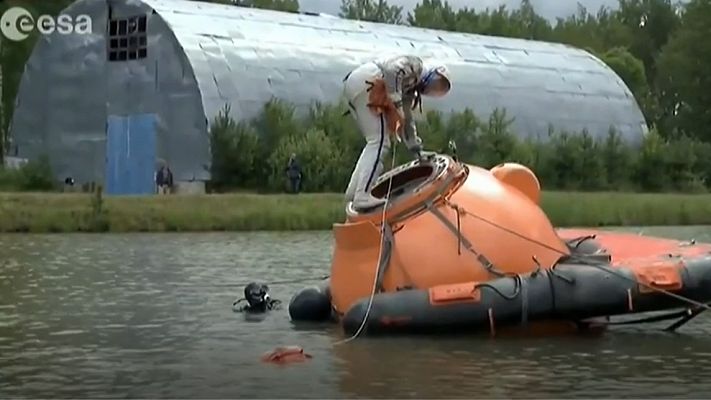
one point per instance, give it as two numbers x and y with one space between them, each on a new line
403 182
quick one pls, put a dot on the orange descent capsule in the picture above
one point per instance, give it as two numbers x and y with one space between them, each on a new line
435 214
464 248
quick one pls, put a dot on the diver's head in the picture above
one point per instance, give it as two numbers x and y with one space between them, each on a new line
435 81
257 295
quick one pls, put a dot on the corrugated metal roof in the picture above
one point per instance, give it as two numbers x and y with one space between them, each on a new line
244 56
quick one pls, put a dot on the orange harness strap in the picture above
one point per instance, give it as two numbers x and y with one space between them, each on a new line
379 102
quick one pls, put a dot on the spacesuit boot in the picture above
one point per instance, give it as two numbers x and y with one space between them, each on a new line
367 170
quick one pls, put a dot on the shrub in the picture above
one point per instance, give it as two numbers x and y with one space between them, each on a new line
236 150
321 162
34 176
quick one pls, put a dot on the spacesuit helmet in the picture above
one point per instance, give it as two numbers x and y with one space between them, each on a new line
435 80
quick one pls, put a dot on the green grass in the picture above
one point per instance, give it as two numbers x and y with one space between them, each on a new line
54 212
566 209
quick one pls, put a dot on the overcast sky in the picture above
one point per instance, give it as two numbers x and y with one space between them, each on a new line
547 8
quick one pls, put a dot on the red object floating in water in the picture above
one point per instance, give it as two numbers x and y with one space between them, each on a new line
286 355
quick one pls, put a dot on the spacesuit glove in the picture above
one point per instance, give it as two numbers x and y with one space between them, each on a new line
414 145
425 155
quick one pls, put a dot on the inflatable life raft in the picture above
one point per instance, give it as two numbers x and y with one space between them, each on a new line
462 248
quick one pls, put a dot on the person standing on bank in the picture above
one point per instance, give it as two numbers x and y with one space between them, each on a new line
164 179
381 96
293 173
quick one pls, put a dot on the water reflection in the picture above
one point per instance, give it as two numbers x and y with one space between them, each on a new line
142 316
538 368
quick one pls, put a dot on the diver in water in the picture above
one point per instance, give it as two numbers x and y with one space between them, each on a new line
382 95
258 299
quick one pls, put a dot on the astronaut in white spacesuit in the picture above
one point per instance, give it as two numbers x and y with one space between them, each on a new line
402 80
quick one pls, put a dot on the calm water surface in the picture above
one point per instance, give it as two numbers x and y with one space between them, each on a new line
150 316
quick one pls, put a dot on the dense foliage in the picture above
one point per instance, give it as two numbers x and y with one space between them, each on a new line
253 155
35 175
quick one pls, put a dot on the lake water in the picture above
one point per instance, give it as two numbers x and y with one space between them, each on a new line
149 316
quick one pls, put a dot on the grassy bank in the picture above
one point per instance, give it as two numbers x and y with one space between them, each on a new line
43 212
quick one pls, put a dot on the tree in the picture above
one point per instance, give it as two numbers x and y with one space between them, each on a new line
650 23
629 68
684 77
595 32
371 10
523 22
433 14
529 24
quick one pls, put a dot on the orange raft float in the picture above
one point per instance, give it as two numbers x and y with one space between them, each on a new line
462 248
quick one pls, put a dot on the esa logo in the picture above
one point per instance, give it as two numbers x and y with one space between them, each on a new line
17 23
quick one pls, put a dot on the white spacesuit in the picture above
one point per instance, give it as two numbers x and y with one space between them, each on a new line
406 78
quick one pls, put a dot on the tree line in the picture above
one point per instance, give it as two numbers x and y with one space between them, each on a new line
253 154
